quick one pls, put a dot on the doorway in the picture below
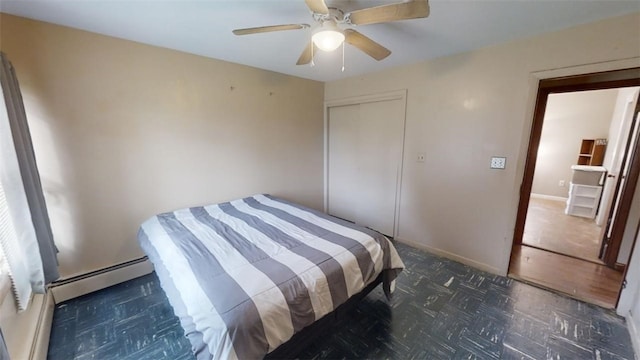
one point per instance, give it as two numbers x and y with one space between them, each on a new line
569 232
581 152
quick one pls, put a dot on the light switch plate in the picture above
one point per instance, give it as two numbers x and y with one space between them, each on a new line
498 162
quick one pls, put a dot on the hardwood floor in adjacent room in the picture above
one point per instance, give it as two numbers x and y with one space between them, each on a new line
548 227
583 280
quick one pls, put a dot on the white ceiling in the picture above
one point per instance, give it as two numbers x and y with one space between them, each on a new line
204 27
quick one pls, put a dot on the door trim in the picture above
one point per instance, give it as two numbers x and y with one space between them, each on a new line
363 99
592 81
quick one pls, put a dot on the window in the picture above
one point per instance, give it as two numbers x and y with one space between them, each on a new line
25 233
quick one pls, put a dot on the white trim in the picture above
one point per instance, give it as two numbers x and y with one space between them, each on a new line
325 154
362 99
40 345
452 256
588 68
634 333
100 281
548 197
396 220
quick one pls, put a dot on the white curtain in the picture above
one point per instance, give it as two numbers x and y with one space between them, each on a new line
17 236
25 232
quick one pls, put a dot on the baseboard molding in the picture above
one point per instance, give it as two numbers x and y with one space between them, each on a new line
66 289
452 256
634 332
620 267
40 344
549 197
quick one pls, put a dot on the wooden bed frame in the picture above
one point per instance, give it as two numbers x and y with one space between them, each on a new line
302 339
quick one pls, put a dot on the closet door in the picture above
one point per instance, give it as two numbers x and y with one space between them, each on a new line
343 158
365 157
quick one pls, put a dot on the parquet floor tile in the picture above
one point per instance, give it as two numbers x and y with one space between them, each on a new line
441 310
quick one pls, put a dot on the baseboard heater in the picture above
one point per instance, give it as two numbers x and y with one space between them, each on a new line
82 284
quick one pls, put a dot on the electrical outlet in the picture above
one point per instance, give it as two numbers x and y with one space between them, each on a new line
498 162
420 157
561 183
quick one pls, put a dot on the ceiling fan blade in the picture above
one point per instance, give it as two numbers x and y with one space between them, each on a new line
307 54
365 44
263 29
402 11
317 6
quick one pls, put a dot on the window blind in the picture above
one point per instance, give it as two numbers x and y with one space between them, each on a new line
7 230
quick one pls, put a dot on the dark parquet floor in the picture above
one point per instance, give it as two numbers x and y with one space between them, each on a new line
441 310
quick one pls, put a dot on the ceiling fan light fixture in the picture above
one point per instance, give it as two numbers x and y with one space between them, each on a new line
328 37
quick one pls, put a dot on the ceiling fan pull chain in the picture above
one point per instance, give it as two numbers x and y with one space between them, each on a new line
312 62
343 56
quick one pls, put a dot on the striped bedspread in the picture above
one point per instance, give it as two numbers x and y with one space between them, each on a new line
245 275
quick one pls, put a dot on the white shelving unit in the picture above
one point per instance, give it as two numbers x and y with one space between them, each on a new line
583 200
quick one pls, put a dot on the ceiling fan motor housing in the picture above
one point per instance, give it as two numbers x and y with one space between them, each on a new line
334 14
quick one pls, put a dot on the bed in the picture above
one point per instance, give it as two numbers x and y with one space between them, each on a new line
245 276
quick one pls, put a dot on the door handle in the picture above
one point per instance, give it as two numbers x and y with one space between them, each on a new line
611 176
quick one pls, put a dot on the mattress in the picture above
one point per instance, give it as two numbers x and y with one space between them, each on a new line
246 275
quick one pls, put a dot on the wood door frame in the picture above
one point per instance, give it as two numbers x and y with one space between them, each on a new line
592 81
363 99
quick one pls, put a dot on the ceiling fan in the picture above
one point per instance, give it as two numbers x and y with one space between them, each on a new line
332 32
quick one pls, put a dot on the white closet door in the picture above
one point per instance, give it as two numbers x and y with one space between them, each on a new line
365 155
343 157
380 149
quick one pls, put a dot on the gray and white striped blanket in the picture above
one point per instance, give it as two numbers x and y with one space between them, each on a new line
245 275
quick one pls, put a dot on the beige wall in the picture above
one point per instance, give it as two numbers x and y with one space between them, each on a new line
629 304
123 131
20 329
569 118
463 109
